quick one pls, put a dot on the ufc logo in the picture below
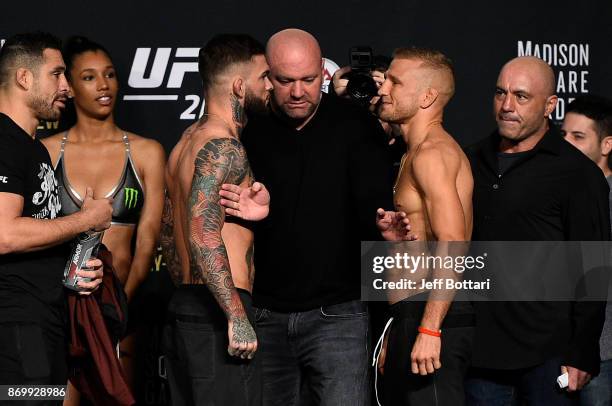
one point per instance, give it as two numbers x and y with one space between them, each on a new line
3 179
159 66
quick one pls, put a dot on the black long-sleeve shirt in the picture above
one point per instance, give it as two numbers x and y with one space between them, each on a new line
552 193
326 182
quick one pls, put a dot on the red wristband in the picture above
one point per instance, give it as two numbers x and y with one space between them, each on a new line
429 332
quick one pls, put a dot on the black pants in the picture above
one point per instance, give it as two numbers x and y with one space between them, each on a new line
445 386
31 354
199 369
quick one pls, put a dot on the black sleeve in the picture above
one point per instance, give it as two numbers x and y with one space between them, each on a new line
587 219
11 169
371 174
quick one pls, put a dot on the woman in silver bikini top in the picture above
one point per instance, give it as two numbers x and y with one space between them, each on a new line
91 153
128 194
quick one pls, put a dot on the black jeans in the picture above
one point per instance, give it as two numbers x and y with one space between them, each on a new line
200 372
316 357
399 386
31 354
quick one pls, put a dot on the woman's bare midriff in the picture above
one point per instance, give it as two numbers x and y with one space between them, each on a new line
118 241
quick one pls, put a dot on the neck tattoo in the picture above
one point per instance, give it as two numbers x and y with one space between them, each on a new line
237 113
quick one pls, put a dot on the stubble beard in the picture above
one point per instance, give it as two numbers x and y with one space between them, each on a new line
254 104
43 109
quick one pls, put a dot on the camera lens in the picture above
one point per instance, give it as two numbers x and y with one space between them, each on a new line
361 88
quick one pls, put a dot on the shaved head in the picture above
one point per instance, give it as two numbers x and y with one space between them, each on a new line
524 99
296 71
441 80
293 43
541 73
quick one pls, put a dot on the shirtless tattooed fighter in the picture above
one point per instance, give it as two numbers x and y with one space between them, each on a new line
220 160
214 253
434 192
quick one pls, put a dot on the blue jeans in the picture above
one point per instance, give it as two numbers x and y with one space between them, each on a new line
535 386
316 357
598 392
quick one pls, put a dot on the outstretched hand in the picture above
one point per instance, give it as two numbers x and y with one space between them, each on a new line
394 226
251 203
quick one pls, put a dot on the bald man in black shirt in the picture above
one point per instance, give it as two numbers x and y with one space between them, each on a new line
530 185
325 164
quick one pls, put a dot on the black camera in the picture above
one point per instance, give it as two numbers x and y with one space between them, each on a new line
361 86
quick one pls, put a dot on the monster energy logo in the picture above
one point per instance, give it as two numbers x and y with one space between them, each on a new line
131 197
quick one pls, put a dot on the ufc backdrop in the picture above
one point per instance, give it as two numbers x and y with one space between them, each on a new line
155 46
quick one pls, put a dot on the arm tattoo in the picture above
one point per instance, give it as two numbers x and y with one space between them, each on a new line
242 331
221 160
173 264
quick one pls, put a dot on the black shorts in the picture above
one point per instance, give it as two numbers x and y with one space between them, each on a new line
399 386
199 369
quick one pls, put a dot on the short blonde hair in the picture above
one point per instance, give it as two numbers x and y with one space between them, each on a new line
431 59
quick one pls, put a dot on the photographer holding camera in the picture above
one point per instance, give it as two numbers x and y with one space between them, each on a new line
360 81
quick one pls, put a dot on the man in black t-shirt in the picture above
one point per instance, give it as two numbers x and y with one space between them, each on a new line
326 165
32 254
